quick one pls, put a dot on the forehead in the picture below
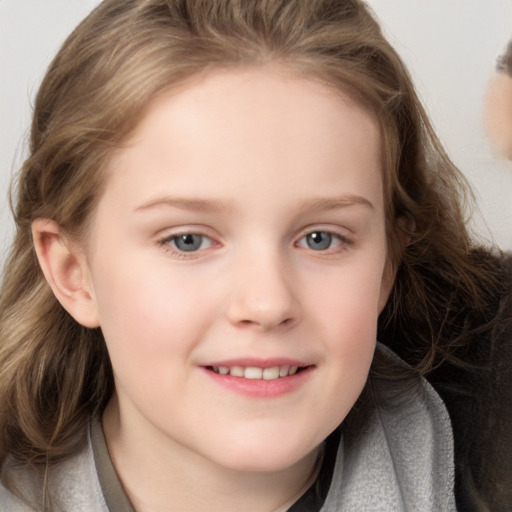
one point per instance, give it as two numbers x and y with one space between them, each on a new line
252 92
242 126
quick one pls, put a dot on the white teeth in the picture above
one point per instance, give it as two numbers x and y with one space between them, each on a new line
237 371
255 373
271 373
283 371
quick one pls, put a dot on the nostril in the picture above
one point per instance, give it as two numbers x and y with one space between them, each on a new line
265 324
246 323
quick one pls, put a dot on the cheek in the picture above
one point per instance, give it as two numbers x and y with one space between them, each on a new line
145 311
346 319
151 327
347 314
142 303
350 301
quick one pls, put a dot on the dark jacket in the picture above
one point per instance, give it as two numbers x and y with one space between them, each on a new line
475 383
478 395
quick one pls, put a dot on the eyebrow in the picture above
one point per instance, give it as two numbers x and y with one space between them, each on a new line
192 204
319 204
332 203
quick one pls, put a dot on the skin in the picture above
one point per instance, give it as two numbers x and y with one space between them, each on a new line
252 161
499 114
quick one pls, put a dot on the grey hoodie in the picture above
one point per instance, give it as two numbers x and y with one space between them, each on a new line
396 454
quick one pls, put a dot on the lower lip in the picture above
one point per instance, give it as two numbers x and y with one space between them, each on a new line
259 388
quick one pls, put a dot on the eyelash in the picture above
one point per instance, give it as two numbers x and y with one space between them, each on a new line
168 242
343 242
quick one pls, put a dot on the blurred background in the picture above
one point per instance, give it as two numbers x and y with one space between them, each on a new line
450 46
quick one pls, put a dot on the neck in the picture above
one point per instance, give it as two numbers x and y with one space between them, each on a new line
156 474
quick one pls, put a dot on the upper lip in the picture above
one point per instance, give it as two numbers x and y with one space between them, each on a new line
258 363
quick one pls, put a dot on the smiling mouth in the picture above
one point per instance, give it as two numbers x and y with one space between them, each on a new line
256 373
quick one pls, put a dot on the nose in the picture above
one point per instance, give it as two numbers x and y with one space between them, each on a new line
263 295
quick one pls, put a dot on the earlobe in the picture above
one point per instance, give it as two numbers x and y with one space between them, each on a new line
65 269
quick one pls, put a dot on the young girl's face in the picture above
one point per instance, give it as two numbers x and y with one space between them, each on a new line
237 264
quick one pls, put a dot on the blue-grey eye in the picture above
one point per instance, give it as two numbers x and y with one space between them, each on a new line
320 241
190 242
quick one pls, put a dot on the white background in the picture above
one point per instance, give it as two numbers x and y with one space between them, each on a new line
450 46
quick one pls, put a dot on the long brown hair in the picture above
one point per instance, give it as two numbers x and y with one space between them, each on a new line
54 373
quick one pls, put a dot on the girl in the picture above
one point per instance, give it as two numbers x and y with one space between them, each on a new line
225 205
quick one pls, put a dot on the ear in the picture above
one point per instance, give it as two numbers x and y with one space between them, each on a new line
65 268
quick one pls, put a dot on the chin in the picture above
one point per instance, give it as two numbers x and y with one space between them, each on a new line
267 456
